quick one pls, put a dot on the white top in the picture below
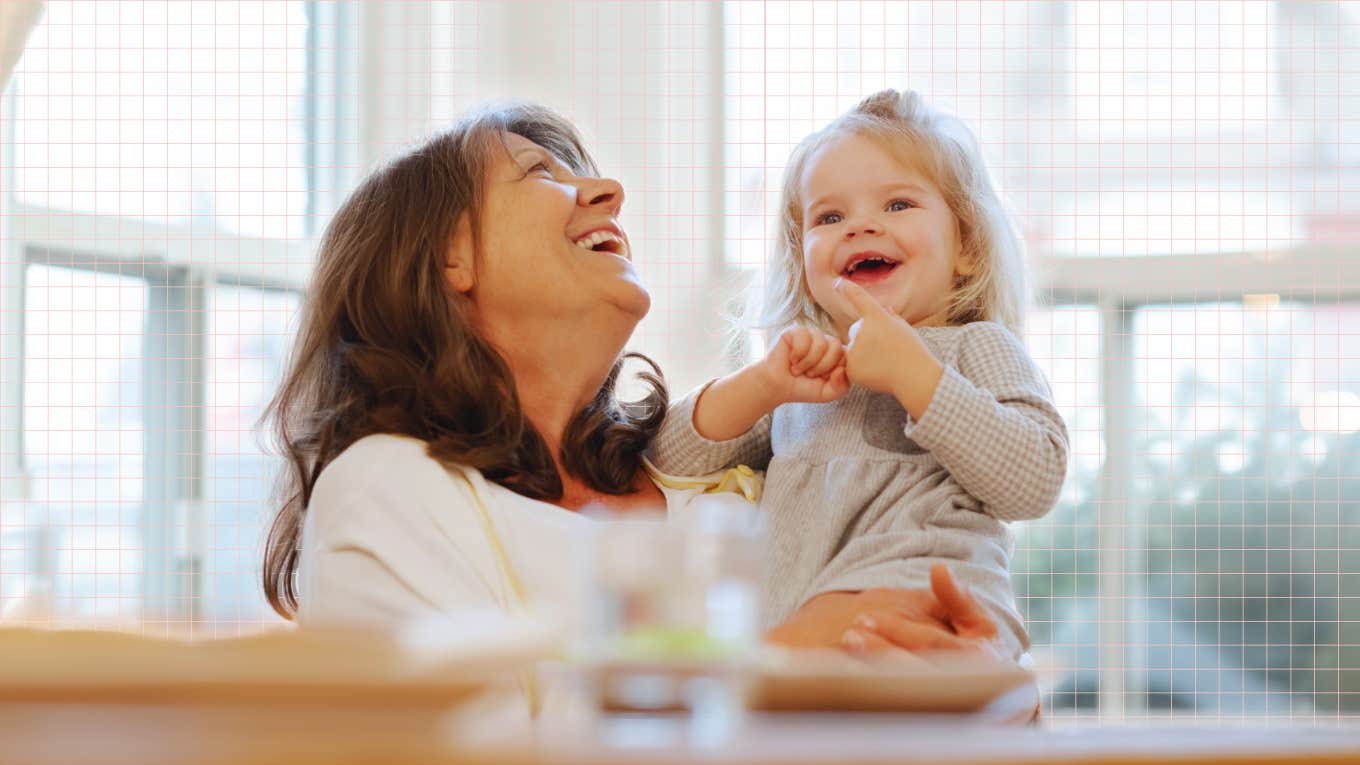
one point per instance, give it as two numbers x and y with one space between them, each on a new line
392 536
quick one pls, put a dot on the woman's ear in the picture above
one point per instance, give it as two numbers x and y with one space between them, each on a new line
459 261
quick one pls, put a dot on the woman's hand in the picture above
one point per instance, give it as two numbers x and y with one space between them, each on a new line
824 621
805 365
943 618
957 622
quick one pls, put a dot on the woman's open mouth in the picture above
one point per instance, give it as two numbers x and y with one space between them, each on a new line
869 267
604 241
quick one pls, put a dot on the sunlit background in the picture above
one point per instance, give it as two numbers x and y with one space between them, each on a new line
1186 176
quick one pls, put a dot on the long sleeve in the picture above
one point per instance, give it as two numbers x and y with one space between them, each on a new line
680 449
993 426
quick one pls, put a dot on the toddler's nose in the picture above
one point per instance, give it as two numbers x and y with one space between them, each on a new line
866 226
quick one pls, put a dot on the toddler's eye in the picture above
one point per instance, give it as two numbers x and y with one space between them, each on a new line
827 218
897 205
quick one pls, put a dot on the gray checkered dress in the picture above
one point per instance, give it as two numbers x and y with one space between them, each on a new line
860 496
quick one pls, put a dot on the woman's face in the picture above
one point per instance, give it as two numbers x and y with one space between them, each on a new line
551 247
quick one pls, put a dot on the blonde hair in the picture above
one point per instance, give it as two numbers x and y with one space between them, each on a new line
943 147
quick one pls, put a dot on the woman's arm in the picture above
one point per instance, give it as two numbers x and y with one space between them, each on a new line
943 618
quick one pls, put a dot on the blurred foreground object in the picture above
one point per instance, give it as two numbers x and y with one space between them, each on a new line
17 19
675 617
425 666
939 683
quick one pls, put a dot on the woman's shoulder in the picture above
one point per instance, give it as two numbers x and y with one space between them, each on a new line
387 456
381 465
398 472
387 464
381 448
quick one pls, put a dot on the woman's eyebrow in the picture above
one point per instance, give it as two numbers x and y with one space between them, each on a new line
544 153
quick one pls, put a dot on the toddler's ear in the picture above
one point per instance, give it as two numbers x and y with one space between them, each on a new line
966 264
459 260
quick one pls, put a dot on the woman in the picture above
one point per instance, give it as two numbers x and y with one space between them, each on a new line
451 398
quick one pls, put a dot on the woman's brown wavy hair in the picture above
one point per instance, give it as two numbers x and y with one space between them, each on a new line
384 346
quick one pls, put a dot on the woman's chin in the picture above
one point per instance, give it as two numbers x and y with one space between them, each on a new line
633 299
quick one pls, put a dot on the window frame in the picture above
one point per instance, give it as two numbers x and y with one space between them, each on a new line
1118 288
178 280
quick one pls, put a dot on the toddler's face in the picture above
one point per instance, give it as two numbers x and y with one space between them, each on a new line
883 225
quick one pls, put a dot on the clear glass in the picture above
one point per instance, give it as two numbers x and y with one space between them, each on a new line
675 611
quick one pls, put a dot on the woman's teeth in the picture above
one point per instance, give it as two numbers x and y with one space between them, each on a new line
611 241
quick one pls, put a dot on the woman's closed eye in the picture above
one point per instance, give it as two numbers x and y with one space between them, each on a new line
539 167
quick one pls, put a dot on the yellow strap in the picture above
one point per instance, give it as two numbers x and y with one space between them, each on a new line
738 480
528 680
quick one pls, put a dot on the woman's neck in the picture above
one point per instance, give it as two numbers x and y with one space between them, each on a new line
558 373
551 397
550 408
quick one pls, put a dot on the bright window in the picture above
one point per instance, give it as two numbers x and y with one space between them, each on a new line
182 111
83 445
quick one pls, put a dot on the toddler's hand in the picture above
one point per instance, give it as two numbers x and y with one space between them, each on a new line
805 365
879 341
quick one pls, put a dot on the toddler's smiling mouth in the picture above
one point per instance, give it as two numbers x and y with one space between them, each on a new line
869 267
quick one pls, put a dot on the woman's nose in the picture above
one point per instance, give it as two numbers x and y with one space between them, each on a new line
600 191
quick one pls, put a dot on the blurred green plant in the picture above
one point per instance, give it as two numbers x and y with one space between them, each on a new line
1250 562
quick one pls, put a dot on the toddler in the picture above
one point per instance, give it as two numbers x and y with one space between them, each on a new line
898 418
